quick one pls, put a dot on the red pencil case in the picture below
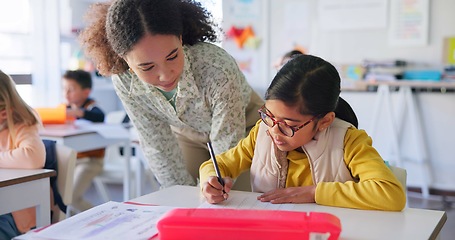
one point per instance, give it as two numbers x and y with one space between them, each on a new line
214 223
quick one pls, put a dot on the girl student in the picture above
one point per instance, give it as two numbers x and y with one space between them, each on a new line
20 147
306 148
178 89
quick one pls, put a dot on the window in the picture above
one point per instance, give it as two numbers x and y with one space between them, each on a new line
15 46
215 7
15 31
29 34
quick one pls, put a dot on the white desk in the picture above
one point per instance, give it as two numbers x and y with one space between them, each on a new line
411 223
24 188
83 136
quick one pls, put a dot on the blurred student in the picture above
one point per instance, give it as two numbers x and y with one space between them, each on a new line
20 147
77 87
286 57
306 148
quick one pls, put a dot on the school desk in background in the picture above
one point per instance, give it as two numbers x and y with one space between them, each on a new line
83 135
54 115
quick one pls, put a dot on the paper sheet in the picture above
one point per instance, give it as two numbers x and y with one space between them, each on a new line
245 201
112 220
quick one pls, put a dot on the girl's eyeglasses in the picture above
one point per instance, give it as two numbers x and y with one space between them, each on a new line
282 126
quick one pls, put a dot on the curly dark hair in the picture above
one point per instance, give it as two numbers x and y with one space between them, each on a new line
114 28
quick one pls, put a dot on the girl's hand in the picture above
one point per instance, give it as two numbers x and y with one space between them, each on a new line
290 195
213 191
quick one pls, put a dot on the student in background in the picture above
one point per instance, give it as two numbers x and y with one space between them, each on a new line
286 57
20 147
77 87
179 90
307 148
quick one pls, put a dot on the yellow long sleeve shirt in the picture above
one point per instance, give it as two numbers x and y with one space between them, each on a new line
376 189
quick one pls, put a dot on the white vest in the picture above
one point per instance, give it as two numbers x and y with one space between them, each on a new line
325 153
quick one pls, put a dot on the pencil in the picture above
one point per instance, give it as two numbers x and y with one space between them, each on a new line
215 164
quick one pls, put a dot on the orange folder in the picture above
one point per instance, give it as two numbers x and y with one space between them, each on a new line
56 115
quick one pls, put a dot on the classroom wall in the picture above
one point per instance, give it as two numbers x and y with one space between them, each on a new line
280 25
356 45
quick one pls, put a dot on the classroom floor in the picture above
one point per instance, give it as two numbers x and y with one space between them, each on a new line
414 201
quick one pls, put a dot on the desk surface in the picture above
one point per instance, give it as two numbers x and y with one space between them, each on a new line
10 177
79 127
83 135
411 223
23 188
63 130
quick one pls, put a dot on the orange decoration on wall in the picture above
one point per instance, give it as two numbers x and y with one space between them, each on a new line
243 36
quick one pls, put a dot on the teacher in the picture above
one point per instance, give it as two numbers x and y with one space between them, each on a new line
179 90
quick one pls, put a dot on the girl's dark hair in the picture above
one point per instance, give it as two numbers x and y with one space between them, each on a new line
117 26
313 84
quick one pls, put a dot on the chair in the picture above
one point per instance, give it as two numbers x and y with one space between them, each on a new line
114 165
401 175
66 162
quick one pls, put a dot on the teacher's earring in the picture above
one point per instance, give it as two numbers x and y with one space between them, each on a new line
130 70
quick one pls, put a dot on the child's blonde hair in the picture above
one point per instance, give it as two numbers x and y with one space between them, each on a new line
17 111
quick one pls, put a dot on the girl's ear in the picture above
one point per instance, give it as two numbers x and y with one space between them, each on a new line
325 121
